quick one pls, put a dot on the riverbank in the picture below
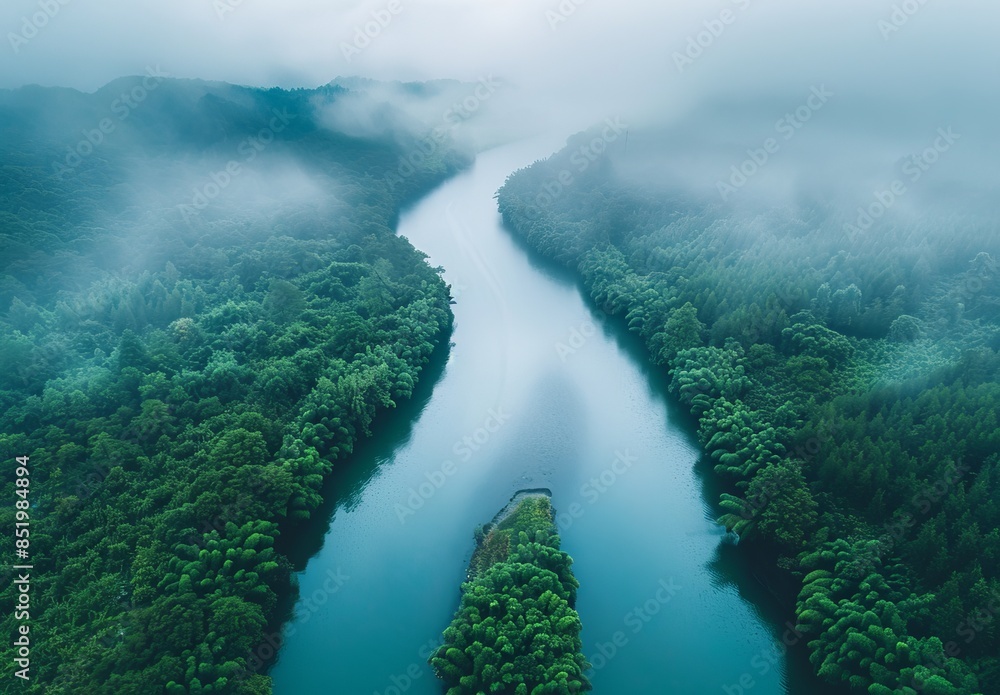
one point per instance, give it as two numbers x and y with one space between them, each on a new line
771 373
493 539
566 419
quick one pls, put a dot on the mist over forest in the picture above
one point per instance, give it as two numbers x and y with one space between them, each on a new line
274 279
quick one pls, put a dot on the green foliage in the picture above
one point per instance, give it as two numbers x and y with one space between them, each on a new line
905 329
779 507
516 630
184 377
683 331
848 399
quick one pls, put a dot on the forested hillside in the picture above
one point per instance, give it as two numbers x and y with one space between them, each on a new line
204 307
845 389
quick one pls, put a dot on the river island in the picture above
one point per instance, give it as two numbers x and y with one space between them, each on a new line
517 630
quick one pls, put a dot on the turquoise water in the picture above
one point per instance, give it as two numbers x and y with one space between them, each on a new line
537 392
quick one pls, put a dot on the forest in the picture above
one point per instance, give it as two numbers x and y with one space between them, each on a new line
516 631
844 389
203 308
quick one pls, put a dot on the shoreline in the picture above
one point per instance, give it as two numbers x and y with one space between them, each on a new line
486 533
514 503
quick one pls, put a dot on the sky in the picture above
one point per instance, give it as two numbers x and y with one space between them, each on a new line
578 49
724 71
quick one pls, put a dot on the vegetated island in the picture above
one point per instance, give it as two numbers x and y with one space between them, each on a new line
516 631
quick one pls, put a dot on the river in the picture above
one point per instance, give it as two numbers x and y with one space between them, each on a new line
536 392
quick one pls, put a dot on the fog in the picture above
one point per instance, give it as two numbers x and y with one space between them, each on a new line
210 284
704 83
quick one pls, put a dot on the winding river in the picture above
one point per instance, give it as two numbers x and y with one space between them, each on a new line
536 392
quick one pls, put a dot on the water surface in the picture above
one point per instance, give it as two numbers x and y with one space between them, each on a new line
537 392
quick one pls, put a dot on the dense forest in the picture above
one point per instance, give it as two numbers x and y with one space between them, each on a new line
517 631
204 306
844 388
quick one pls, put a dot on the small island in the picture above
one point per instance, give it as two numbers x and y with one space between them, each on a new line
516 631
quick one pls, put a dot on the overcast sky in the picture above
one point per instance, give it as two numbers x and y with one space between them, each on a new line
602 47
899 69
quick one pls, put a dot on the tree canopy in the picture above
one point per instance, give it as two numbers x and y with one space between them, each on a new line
187 354
846 391
516 631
